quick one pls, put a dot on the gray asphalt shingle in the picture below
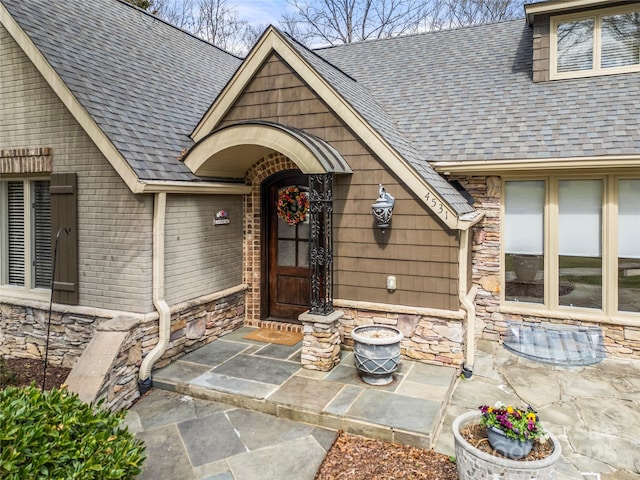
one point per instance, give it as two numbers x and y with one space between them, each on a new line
145 83
375 114
460 95
472 97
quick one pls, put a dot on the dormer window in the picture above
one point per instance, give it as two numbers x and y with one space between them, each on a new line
595 43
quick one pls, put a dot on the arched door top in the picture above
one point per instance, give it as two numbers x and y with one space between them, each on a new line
231 150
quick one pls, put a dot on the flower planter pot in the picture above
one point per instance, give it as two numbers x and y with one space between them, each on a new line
377 352
509 447
526 267
474 464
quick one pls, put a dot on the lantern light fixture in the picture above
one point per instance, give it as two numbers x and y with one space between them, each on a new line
383 209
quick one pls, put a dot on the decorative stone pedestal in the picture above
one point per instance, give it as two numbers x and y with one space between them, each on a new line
321 341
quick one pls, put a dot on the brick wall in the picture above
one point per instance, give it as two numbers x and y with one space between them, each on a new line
114 238
259 172
201 258
25 160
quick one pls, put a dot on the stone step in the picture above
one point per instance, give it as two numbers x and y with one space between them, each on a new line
268 378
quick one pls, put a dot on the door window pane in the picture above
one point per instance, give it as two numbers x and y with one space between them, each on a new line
287 253
580 243
575 45
524 241
620 40
285 230
629 246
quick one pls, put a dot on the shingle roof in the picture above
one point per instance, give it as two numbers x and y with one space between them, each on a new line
145 83
467 94
376 115
459 95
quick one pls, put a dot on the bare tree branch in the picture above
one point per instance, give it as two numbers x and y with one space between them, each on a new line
344 21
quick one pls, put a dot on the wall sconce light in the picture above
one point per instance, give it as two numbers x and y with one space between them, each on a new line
383 209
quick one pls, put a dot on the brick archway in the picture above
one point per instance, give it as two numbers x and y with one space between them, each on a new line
258 173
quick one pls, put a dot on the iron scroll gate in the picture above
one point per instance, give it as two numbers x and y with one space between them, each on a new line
321 244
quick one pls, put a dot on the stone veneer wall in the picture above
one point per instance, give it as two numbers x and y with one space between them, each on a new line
435 338
23 331
622 341
252 247
193 324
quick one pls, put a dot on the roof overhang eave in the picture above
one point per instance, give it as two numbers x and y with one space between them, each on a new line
311 154
540 164
195 187
558 6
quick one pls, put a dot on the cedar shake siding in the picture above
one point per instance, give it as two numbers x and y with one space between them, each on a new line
201 258
541 48
417 249
115 226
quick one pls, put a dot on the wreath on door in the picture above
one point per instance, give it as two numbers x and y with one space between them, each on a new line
293 205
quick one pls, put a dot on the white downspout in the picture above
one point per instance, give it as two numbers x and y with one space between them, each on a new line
164 313
467 299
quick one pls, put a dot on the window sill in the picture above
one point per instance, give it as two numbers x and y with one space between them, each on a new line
574 314
601 72
24 296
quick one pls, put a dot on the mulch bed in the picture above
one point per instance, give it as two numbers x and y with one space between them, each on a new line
23 371
357 458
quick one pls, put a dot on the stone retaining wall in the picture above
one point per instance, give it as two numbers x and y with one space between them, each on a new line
193 324
428 338
23 332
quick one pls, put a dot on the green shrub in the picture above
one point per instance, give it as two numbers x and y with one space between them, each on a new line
7 377
56 435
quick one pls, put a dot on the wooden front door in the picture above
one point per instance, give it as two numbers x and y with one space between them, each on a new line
287 251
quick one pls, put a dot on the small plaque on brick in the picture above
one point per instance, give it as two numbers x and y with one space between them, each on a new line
222 218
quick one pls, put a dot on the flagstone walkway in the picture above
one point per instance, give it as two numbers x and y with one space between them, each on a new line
259 416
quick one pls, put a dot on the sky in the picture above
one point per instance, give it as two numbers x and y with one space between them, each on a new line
259 11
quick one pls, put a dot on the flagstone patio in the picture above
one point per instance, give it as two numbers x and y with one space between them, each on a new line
593 410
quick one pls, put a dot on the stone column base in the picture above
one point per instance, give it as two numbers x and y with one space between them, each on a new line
321 341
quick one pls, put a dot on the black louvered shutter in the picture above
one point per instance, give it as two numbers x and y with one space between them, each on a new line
64 220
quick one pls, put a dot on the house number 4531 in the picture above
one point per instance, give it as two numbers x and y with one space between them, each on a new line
436 205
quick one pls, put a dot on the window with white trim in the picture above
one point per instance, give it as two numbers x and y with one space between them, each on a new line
25 234
595 43
573 243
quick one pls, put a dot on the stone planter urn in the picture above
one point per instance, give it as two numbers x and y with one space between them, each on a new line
474 464
377 352
526 267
